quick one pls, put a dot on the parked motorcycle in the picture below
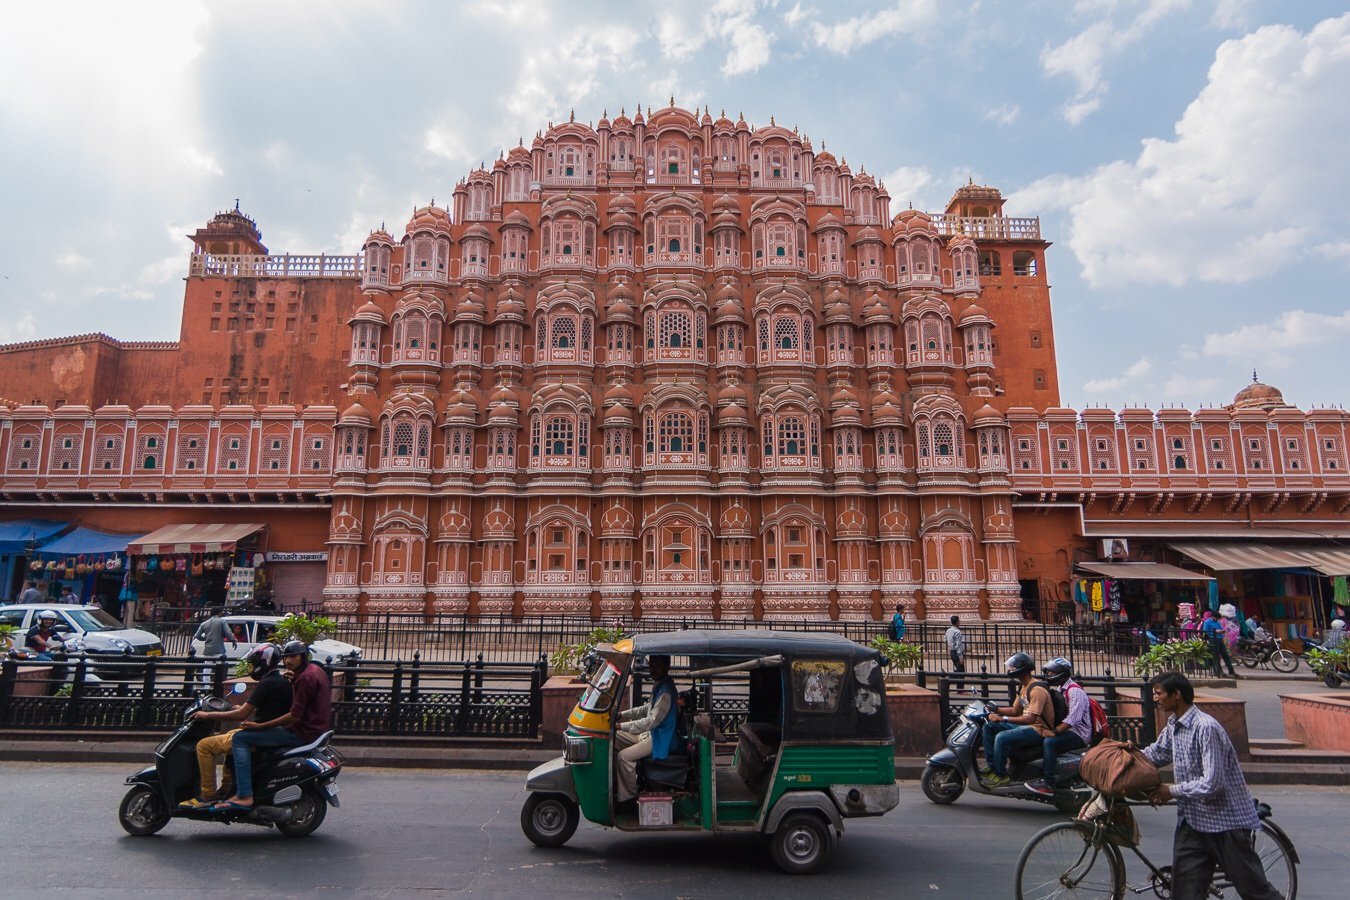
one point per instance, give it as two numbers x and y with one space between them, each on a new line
1252 653
293 787
951 770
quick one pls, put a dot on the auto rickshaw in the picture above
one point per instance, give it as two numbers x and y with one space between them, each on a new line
787 735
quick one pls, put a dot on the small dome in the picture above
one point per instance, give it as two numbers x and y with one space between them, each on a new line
621 202
505 395
732 394
973 313
829 221
988 415
369 312
843 397
825 157
868 235
516 219
509 306
478 230
429 218
356 414
502 414
847 415
620 290
378 237
1258 396
877 308
469 307
620 311
732 415
618 394
617 412
730 311
460 411
913 220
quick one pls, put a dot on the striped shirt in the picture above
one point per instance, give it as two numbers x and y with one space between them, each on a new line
1212 795
1079 717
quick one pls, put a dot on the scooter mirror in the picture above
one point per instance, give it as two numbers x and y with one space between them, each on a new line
239 687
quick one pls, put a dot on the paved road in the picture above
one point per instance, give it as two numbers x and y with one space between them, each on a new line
407 833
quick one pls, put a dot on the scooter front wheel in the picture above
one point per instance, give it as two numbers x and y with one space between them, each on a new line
942 784
143 811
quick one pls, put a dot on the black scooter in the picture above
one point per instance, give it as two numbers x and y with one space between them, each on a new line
950 770
293 786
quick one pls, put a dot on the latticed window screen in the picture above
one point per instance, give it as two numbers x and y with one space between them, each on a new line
424 440
316 454
786 333
558 436
564 332
23 452
763 326
923 438
66 448
677 433
791 436
943 442
149 451
191 456
233 451
676 330
403 439
276 451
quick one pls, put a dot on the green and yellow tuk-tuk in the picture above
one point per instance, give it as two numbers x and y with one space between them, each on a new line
786 733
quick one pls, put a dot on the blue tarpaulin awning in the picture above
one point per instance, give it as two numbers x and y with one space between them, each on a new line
86 542
19 535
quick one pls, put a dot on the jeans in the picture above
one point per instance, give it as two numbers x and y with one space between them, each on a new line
1054 746
243 744
999 740
958 665
1219 647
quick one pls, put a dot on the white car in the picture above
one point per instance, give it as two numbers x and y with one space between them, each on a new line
100 632
251 630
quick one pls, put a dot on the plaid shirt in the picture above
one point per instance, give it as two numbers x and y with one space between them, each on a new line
1211 793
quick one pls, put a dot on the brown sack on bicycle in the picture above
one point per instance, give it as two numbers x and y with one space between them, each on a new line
1118 769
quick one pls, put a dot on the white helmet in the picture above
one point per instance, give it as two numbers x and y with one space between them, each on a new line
48 614
1338 623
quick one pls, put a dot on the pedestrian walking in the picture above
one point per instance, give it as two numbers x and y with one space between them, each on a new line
213 633
1213 630
1216 818
898 623
30 594
69 596
956 649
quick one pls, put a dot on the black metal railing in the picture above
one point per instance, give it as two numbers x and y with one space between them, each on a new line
1131 717
472 698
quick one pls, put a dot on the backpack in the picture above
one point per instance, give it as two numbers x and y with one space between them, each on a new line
897 627
1101 725
1057 703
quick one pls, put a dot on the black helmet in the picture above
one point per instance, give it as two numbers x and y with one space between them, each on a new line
1020 664
1057 671
262 659
295 648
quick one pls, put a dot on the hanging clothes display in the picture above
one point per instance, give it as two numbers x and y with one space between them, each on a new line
1340 590
1097 596
1113 592
1214 596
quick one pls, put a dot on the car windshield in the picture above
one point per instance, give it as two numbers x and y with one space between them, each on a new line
597 697
93 620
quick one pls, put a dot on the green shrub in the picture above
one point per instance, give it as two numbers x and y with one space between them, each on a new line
300 627
899 655
1324 662
1173 656
567 658
7 633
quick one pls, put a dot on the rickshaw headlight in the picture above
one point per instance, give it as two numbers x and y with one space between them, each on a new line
577 750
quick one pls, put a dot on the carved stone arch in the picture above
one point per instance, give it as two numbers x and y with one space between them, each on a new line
398 521
617 522
568 204
676 510
779 295
428 305
662 293
930 405
674 393
499 524
851 522
735 521
792 511
573 396
925 303
558 295
556 511
454 525
675 201
948 518
786 396
766 208
895 521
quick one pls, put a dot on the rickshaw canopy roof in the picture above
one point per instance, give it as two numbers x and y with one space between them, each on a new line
748 643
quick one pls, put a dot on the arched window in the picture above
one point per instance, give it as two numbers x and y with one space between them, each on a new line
559 435
403 439
791 436
942 440
676 330
786 333
564 329
676 433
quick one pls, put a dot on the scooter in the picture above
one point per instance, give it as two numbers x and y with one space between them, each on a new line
950 770
1333 678
63 653
293 787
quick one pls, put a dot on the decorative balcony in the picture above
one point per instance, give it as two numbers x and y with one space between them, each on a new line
989 228
278 266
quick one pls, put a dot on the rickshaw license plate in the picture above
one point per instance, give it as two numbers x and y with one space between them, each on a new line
154 653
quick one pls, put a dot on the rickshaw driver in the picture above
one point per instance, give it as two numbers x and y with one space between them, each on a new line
647 730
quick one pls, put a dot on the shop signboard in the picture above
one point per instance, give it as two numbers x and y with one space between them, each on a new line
240 585
281 557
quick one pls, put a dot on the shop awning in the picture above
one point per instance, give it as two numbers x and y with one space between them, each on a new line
1229 556
86 542
20 534
1142 571
1212 532
199 538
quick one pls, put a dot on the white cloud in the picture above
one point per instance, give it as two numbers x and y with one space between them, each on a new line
1136 370
726 21
19 328
905 16
909 184
1334 250
1231 14
1256 170
72 260
1004 115
1083 56
795 16
749 48
1189 386
1280 343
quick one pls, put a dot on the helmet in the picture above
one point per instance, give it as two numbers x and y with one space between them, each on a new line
262 659
47 614
1338 623
295 648
1020 664
1057 671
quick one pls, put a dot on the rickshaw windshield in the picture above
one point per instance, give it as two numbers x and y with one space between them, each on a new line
599 696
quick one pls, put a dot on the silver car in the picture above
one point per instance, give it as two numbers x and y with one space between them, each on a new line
100 632
250 630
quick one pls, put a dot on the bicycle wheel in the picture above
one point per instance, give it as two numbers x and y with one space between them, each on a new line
1064 860
1277 858
1284 661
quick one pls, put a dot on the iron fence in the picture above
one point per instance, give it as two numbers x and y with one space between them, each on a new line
370 697
1131 717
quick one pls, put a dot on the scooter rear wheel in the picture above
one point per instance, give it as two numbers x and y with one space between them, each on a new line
142 812
942 784
307 815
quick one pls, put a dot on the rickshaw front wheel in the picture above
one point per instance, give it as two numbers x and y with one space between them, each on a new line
801 843
549 820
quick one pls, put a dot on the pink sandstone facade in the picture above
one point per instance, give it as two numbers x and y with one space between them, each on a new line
666 365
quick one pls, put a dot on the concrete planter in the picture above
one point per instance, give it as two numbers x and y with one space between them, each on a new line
561 693
1317 721
916 719
1231 713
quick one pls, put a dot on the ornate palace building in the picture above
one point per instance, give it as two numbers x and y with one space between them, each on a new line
664 365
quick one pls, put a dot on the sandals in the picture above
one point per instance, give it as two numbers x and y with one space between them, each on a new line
231 806
195 803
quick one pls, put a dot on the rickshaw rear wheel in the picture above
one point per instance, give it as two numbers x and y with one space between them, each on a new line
549 820
801 843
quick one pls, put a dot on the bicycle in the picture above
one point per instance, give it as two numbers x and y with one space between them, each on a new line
1253 653
1083 858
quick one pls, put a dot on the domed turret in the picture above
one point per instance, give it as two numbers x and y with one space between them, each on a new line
1258 396
429 218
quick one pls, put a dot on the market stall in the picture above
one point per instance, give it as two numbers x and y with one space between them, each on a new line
91 563
194 565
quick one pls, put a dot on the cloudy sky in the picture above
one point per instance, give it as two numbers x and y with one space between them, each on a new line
1187 157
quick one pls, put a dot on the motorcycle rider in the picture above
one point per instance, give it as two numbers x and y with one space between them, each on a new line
310 715
1028 722
42 632
270 699
1074 733
1335 636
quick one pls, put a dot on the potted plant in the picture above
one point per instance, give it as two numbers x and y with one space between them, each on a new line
897 656
567 659
300 627
7 633
1329 665
1173 656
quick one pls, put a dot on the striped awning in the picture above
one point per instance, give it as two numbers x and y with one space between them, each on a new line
199 538
1143 571
1329 560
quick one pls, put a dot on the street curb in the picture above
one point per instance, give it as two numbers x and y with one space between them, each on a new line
480 758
